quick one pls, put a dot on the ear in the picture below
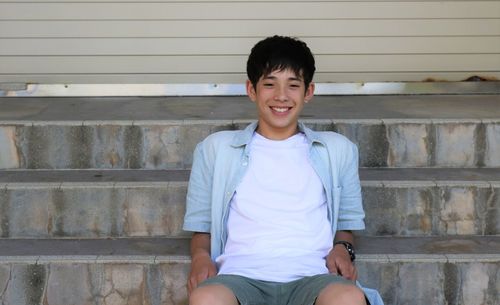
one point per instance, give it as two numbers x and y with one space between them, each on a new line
309 93
252 94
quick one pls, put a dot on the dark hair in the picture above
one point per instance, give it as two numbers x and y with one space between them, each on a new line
280 53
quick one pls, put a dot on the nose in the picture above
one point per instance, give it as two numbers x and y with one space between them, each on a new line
281 94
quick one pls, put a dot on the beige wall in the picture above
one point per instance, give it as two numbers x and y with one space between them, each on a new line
69 41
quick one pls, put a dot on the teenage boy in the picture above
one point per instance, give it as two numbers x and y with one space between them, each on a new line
272 206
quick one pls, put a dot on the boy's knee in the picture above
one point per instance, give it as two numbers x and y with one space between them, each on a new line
212 295
341 294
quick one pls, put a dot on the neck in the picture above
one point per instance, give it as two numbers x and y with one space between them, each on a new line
277 134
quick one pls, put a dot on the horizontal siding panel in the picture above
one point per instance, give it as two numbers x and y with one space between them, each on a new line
252 10
249 28
236 64
406 63
233 78
181 1
241 46
144 41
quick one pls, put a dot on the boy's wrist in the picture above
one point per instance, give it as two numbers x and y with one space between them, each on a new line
199 253
348 247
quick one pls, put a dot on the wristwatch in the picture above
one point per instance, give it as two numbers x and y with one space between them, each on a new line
348 246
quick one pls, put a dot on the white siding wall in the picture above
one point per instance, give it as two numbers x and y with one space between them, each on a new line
112 41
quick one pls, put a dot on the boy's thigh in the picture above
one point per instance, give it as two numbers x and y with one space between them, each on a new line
254 292
246 290
305 291
212 294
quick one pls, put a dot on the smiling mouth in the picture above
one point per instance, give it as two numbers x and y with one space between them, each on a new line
281 109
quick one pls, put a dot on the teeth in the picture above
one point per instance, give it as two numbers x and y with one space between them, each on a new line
280 109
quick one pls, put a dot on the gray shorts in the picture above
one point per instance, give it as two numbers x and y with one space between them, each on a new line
254 292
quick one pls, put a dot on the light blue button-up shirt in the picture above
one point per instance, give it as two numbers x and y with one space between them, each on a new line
221 160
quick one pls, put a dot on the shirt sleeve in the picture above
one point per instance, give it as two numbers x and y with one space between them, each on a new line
351 213
199 193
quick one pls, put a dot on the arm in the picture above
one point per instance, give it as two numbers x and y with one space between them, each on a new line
199 192
198 219
350 217
202 266
338 260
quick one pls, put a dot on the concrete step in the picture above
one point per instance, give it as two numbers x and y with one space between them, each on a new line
160 133
432 270
146 203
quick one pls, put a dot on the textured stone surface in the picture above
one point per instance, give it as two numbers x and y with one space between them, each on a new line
169 145
115 209
431 209
163 146
83 212
457 214
9 157
123 284
87 283
433 282
475 284
415 278
402 282
399 210
4 279
371 139
155 249
108 150
377 275
96 211
493 211
455 144
26 212
439 106
411 131
172 147
409 144
492 154
69 284
26 284
155 211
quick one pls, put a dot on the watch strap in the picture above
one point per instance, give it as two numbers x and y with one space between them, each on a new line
348 246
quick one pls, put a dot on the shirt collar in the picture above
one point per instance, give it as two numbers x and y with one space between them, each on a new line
243 137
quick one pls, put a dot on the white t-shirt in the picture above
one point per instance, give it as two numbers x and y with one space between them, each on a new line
278 228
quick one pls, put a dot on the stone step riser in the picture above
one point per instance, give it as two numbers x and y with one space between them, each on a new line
428 209
169 145
77 281
88 211
85 283
432 282
156 209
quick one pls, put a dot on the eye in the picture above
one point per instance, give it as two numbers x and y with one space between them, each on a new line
268 84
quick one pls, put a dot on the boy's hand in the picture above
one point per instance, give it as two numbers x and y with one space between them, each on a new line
339 262
202 268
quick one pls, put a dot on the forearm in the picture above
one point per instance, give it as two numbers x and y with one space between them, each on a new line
200 244
202 266
339 260
345 241
344 236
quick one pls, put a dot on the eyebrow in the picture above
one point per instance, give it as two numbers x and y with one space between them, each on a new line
290 78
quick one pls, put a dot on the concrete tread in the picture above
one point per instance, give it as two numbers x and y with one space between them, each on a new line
422 247
133 109
130 175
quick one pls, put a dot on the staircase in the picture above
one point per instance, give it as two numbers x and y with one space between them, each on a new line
93 192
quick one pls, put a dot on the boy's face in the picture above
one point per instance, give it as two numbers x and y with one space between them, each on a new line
280 97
